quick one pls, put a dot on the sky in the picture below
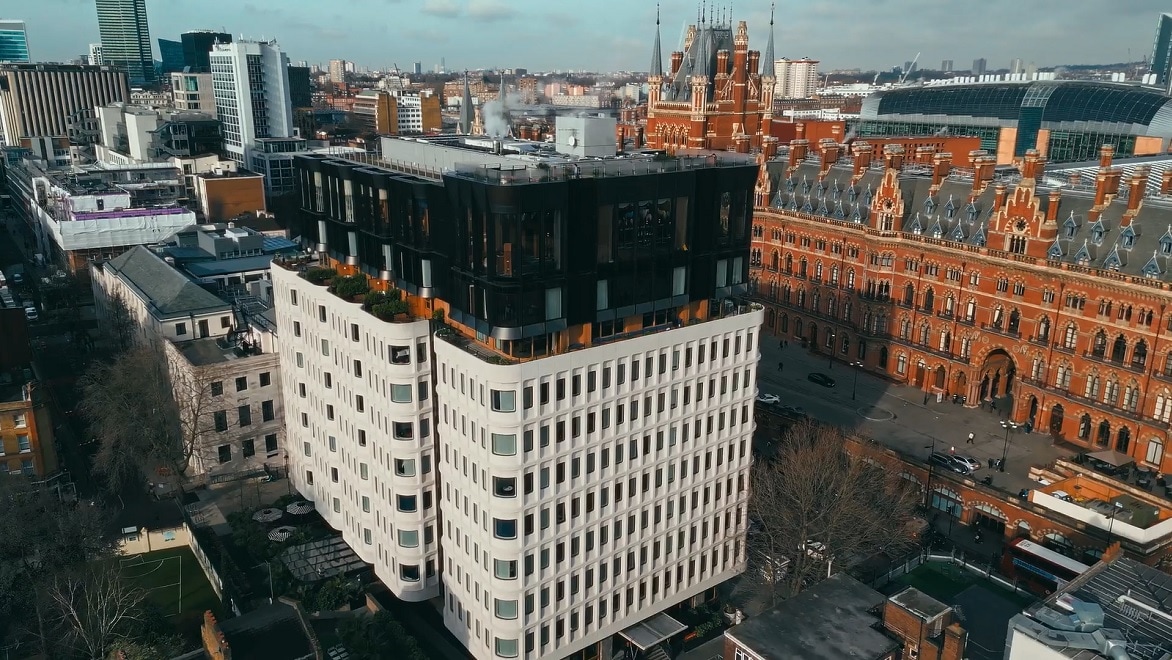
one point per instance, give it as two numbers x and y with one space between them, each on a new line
611 35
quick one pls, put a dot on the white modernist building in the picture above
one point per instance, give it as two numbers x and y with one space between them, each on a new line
560 472
796 79
250 83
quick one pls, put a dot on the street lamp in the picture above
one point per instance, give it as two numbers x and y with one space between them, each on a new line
857 364
951 517
931 467
830 353
1111 525
1008 426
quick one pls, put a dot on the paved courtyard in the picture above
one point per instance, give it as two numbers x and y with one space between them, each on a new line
897 415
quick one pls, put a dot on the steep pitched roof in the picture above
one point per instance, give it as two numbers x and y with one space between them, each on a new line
769 60
167 292
467 113
657 50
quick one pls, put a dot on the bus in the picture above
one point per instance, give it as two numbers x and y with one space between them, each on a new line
1038 568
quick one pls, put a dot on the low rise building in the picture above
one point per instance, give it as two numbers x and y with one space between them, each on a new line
220 352
224 194
1118 610
193 92
398 112
26 426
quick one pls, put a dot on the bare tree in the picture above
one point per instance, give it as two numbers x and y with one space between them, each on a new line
96 607
119 325
820 506
150 408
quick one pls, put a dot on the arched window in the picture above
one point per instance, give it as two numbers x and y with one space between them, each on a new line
998 317
909 295
1099 344
949 304
1119 349
1131 397
1084 427
802 267
1163 409
775 260
1062 376
1139 354
769 316
1154 454
1044 329
1014 321
789 263
1058 543
798 327
850 278
929 299
970 310
1111 392
1070 339
924 332
1092 391
834 275
784 325
818 271
1104 434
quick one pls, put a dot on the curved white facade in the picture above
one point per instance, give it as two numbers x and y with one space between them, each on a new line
358 396
620 471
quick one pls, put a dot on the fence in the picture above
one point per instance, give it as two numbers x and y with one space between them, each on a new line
208 569
957 558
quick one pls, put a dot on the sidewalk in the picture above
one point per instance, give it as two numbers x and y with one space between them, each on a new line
897 416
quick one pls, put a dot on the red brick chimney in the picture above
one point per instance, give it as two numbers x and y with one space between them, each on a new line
998 195
955 641
893 156
983 168
974 155
769 146
677 58
1166 182
863 152
721 62
941 166
741 143
639 137
1032 165
754 60
800 130
1106 183
797 151
829 150
1052 207
1106 153
1137 187
924 154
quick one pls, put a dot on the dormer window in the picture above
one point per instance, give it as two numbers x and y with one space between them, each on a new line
839 213
1083 256
778 203
1127 238
1069 228
1152 268
807 207
1113 261
851 194
789 185
805 186
1098 231
973 211
979 238
1166 242
857 214
868 195
916 228
929 205
1055 251
958 233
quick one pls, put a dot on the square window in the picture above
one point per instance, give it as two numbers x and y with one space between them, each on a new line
407 504
405 467
266 379
403 430
245 415
504 400
504 528
400 393
241 384
217 388
271 443
267 411
248 447
180 329
225 453
220 419
409 538
504 444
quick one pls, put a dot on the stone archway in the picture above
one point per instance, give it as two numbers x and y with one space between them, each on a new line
921 374
1056 418
939 378
1033 419
995 378
883 356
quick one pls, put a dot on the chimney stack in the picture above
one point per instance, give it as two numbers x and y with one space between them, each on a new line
1033 165
639 137
998 195
1137 187
721 63
983 168
754 60
797 151
893 156
1106 153
800 130
677 58
1166 182
1052 208
829 150
941 166
955 641
1106 183
863 152
924 154
769 146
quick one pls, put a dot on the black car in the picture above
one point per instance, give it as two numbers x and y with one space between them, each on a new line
821 379
949 463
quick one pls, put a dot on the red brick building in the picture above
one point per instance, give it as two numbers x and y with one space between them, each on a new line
986 283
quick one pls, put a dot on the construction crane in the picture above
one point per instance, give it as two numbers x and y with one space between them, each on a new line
903 77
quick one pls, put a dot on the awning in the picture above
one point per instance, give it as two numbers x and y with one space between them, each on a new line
1112 458
652 631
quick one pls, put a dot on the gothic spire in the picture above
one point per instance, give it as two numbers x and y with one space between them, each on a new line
768 61
657 50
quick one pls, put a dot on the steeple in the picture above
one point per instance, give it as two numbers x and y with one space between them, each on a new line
656 52
769 61
467 112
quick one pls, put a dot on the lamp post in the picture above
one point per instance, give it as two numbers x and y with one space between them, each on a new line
855 386
1111 525
830 353
951 517
1008 426
931 468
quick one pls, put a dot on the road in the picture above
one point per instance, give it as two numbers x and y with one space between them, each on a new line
897 415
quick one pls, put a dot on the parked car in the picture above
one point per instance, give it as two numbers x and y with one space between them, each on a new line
767 398
30 313
815 549
968 461
949 463
820 379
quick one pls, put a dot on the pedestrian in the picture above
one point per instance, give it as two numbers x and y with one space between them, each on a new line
970 437
781 343
952 450
925 398
779 367
993 405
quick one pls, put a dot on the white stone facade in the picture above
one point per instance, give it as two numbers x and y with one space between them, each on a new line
357 394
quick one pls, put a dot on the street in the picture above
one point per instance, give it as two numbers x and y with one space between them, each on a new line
896 415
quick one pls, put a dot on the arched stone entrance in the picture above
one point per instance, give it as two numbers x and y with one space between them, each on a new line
1033 419
1056 418
995 379
812 337
883 358
921 374
940 375
960 382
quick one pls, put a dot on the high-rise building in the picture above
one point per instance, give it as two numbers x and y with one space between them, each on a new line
300 89
1162 50
1016 66
95 55
979 66
417 68
946 65
587 409
13 41
796 79
196 46
251 83
36 100
338 71
126 39
170 56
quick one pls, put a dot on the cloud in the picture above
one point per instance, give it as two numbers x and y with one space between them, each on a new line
490 10
444 8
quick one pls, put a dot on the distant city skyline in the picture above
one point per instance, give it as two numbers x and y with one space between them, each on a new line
616 35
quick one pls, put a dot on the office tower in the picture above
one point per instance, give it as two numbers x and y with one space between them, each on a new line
251 82
95 55
1162 50
979 66
417 68
170 56
562 458
946 65
300 89
338 71
13 41
196 46
126 39
1015 66
37 100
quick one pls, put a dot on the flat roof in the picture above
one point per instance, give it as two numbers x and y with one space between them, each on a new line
209 350
829 621
919 603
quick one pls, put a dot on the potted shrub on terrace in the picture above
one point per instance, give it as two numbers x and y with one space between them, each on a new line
318 275
349 287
